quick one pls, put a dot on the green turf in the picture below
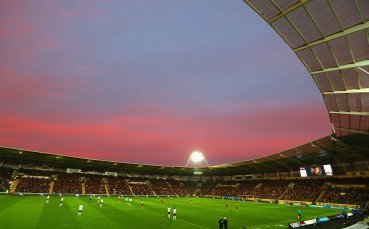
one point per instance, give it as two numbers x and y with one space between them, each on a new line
32 212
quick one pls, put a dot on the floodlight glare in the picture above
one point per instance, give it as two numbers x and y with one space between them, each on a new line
196 156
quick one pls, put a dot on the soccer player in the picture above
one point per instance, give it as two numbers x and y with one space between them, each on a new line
162 201
236 207
221 223
168 212
142 204
90 197
227 205
299 214
61 202
174 213
130 201
126 200
101 202
98 199
225 223
47 199
171 199
119 199
80 209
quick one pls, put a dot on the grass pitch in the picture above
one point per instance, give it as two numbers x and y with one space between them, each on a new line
32 212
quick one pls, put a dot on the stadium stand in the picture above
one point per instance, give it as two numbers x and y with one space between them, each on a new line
141 188
354 191
229 188
5 176
179 188
303 189
191 188
118 186
32 172
247 186
94 184
270 189
345 195
33 185
161 187
68 183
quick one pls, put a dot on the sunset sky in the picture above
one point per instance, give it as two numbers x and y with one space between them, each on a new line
150 81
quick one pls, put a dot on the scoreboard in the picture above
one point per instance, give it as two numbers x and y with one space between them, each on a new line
316 170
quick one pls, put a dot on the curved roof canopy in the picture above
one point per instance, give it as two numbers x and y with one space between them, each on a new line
328 150
331 39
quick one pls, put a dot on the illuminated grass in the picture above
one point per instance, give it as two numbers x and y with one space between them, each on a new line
32 212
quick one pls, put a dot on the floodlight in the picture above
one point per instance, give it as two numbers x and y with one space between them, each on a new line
196 156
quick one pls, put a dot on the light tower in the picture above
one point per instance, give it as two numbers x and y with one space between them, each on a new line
196 157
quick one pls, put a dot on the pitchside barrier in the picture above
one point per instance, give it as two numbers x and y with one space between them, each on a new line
337 205
334 221
294 202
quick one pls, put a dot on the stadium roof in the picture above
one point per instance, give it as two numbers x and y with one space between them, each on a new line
331 39
328 150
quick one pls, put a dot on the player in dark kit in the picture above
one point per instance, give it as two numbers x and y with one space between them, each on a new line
225 223
299 214
227 205
221 223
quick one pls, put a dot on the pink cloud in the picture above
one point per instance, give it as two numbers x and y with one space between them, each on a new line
170 137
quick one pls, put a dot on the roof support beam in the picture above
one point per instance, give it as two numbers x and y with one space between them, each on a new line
345 66
327 151
354 131
278 162
363 90
288 10
254 168
349 112
345 32
307 155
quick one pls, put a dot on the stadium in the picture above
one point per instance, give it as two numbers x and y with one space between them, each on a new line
321 183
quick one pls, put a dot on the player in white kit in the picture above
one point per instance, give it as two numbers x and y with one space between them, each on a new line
101 202
61 202
80 209
174 213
